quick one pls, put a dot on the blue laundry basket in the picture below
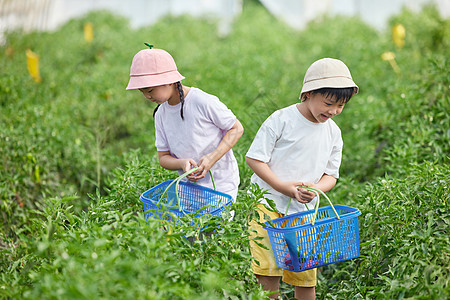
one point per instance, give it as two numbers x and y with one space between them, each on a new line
159 201
304 241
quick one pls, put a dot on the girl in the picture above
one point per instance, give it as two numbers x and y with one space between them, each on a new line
193 128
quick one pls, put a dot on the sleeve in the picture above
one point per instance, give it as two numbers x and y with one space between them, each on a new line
264 141
219 114
160 137
334 162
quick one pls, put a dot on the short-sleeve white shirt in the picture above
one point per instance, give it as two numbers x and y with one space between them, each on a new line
206 121
296 149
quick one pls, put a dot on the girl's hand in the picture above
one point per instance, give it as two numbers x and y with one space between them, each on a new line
187 164
305 195
204 165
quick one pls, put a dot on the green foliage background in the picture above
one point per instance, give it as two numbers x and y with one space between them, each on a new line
77 151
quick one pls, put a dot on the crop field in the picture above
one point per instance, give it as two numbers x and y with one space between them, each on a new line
77 150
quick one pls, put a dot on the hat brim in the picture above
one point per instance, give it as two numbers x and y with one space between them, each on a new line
144 81
334 82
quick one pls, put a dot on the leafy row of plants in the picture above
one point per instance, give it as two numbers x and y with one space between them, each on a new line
404 239
78 151
110 251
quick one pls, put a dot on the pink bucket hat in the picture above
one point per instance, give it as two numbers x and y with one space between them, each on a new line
152 67
327 73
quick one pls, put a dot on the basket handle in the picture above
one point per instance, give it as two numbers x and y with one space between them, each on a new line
317 192
178 179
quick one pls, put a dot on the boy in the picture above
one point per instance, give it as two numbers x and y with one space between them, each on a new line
298 146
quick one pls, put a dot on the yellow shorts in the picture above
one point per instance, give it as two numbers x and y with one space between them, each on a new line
267 264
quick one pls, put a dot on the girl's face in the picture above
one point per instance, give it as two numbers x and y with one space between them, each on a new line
160 94
318 109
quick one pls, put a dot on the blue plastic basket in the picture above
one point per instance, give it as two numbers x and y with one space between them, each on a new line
298 245
193 198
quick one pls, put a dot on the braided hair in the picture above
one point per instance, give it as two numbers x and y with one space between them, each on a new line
181 93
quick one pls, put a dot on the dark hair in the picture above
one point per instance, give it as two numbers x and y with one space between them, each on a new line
341 95
180 91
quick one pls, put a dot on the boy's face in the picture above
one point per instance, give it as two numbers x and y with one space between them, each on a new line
318 108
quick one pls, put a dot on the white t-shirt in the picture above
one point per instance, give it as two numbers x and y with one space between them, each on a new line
296 149
206 121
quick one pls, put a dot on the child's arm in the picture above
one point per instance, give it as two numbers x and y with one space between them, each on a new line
326 183
169 162
228 141
288 188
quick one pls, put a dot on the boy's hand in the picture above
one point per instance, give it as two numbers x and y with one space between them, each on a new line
289 188
305 195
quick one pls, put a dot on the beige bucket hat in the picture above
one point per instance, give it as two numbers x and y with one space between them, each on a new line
152 67
327 73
